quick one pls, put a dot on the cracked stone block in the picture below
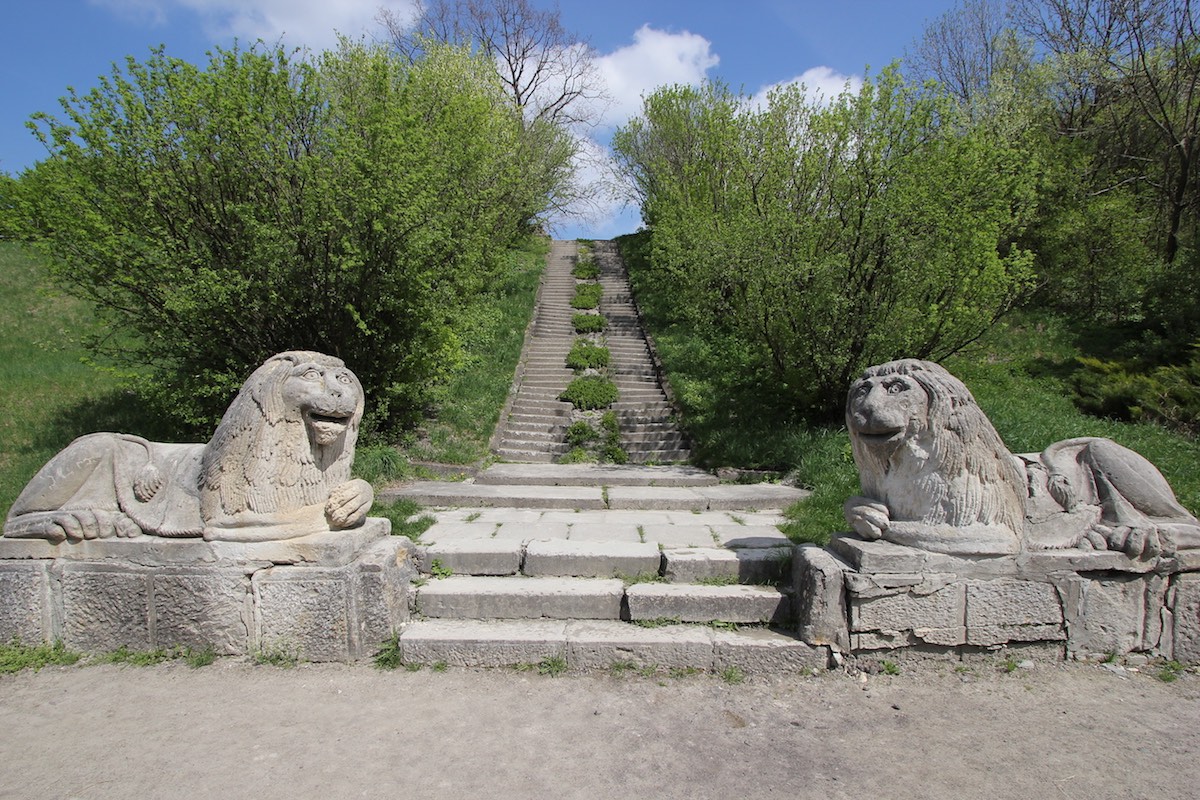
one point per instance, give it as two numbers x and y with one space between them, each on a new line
820 597
203 608
304 611
908 610
1186 617
1019 611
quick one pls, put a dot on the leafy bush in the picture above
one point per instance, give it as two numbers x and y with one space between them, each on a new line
580 434
806 241
351 203
588 323
590 392
586 355
587 295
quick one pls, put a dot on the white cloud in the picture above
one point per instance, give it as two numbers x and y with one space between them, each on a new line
656 58
313 23
821 85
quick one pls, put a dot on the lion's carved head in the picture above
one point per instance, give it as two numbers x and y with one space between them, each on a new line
286 440
926 450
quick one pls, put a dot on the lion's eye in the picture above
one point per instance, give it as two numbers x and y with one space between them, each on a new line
895 388
343 378
312 375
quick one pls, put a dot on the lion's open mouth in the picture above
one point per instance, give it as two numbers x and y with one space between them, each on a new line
327 427
878 436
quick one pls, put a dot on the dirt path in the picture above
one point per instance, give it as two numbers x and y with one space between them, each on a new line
233 730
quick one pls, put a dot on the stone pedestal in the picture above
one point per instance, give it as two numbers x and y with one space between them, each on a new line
331 596
871 595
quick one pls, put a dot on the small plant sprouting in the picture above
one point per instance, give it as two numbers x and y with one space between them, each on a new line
199 658
439 570
388 656
732 675
552 666
474 515
889 667
619 669
718 580
16 656
439 666
1009 665
1170 671
276 654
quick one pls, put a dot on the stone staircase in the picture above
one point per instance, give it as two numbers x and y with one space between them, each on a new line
533 426
649 431
605 567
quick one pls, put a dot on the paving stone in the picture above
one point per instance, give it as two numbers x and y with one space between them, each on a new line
595 475
476 643
750 536
692 603
448 532
763 650
600 645
679 535
590 559
521 598
527 532
600 532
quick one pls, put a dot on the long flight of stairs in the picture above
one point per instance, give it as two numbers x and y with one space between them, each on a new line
586 567
533 426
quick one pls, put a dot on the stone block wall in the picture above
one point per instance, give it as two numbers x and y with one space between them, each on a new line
864 596
336 597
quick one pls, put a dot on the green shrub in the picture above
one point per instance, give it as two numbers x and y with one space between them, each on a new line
589 323
581 434
586 355
587 295
586 270
590 392
1129 391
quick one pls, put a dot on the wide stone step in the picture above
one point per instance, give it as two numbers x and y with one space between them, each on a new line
685 602
598 644
594 475
470 597
722 497
524 456
475 495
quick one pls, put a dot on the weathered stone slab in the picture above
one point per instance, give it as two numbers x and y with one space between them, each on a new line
106 607
750 536
751 496
761 650
486 556
1012 611
878 556
590 559
475 643
1185 614
24 602
443 493
518 532
602 532
1108 615
595 475
820 598
656 498
304 611
693 564
908 610
600 645
447 532
524 598
692 603
679 535
203 608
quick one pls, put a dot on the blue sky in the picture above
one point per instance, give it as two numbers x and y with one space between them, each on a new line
750 44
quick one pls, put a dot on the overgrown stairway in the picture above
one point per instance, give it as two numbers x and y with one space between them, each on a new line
586 566
533 426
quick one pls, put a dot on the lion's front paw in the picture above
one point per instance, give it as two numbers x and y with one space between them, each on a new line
349 503
869 518
1135 542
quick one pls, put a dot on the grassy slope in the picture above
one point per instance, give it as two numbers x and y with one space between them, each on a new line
1017 373
49 395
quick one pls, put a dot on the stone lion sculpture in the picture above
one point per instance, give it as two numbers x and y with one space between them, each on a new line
277 467
935 475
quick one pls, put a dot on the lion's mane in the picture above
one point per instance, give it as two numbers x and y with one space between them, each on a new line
969 476
260 458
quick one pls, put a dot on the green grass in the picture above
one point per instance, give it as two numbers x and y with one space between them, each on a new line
588 323
587 296
16 656
587 355
388 656
590 392
406 517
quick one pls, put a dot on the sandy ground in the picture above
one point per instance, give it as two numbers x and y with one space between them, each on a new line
235 730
